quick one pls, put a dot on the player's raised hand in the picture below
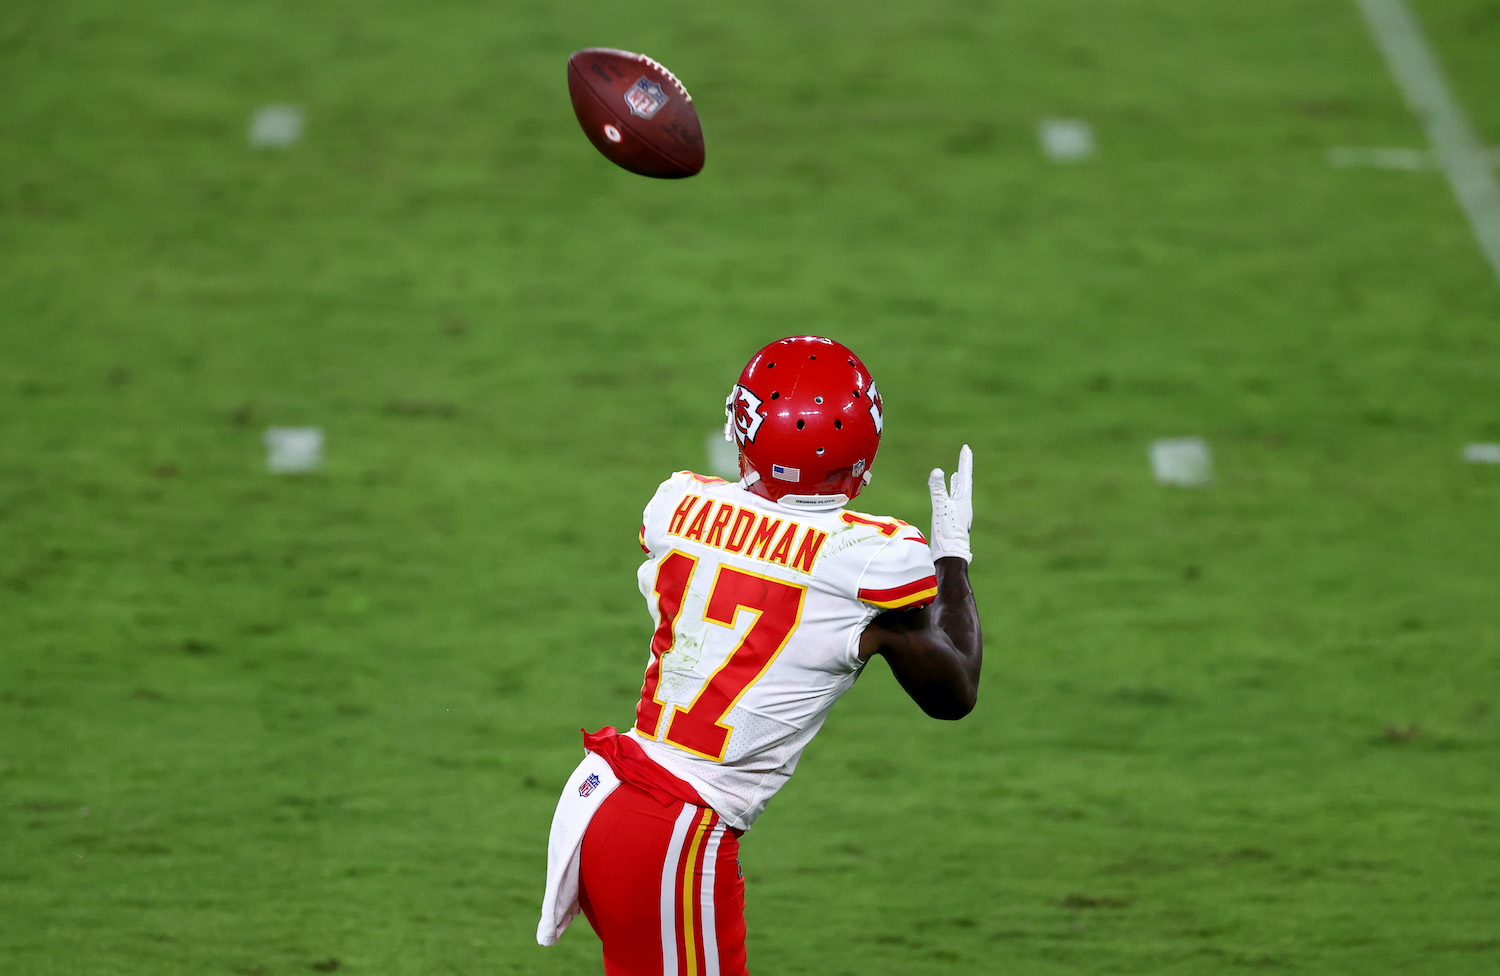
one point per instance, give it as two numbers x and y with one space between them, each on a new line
953 509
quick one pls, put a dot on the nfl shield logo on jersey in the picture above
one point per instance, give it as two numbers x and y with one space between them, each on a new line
588 785
645 97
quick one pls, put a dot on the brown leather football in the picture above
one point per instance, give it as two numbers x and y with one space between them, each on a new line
635 112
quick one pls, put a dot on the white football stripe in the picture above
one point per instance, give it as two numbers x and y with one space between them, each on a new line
669 871
706 903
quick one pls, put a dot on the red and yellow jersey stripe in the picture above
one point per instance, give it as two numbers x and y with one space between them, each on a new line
908 596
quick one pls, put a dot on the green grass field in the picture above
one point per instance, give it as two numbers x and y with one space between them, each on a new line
259 725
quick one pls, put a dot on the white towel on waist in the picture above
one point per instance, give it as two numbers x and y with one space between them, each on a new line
587 789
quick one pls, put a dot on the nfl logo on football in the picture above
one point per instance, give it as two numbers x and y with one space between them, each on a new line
645 98
588 785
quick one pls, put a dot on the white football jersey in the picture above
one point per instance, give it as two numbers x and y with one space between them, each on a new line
759 610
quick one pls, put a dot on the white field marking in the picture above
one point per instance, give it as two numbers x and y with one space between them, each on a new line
1408 159
1482 453
1363 157
275 126
1183 461
1066 140
1458 150
294 450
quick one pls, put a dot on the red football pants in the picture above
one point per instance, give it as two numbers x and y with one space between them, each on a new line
660 883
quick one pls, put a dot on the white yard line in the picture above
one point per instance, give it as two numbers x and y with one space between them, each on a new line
1390 157
1347 157
1459 151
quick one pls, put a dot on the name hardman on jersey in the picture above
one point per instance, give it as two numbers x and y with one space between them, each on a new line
758 612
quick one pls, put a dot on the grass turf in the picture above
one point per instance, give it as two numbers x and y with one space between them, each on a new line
255 725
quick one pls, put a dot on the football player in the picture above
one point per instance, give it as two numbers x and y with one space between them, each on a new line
768 597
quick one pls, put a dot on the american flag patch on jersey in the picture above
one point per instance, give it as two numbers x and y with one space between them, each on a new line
588 785
783 473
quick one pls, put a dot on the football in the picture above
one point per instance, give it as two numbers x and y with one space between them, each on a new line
636 113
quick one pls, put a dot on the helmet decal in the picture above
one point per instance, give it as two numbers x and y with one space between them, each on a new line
875 408
745 414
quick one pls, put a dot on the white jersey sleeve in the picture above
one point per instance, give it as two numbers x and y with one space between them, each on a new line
900 576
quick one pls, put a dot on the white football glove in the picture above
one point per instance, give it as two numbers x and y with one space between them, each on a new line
952 511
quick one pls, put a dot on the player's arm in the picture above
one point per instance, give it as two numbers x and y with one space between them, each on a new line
936 652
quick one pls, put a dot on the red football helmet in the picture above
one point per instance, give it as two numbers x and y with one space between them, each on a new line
806 416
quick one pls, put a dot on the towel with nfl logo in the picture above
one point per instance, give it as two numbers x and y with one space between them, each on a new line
587 789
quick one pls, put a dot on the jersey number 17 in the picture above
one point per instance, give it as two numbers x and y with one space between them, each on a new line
699 728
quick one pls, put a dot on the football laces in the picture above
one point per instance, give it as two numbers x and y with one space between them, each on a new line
652 62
